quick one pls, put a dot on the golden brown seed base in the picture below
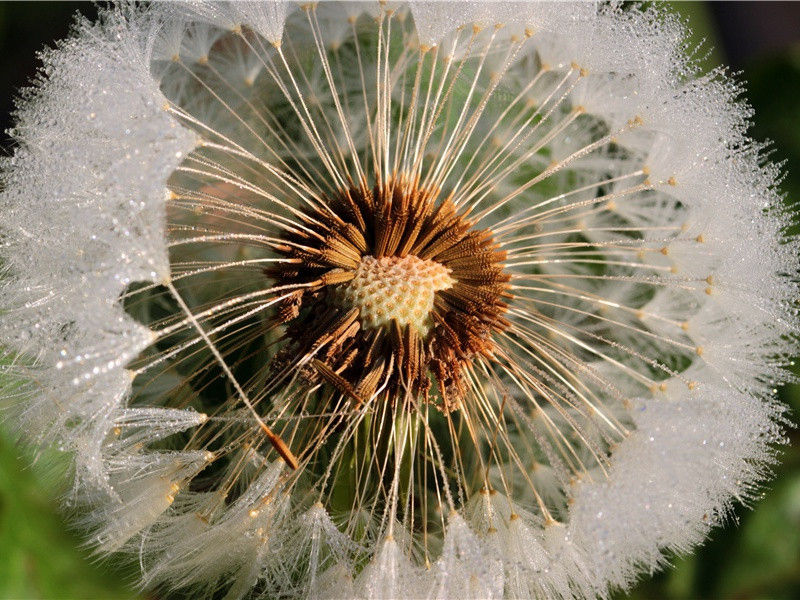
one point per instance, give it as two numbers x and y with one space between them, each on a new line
397 219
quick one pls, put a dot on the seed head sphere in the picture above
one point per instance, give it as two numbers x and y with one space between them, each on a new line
380 300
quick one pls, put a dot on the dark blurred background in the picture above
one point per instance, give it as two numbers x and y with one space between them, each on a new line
756 556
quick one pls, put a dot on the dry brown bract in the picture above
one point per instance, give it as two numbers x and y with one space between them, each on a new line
356 336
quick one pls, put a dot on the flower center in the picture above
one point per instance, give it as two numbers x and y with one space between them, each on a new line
395 289
390 291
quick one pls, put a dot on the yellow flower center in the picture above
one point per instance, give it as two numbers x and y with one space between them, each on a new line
395 289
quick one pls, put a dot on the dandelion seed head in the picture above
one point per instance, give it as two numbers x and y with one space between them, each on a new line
427 300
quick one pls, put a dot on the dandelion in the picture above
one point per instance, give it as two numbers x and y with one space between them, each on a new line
430 301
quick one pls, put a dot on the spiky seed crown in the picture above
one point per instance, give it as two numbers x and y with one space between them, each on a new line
338 258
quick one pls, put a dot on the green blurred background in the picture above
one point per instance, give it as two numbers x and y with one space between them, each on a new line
757 556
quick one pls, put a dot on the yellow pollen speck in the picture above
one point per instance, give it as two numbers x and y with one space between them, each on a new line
663 387
395 289
691 385
672 181
645 170
117 430
699 351
529 33
700 239
710 280
253 513
664 251
685 326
